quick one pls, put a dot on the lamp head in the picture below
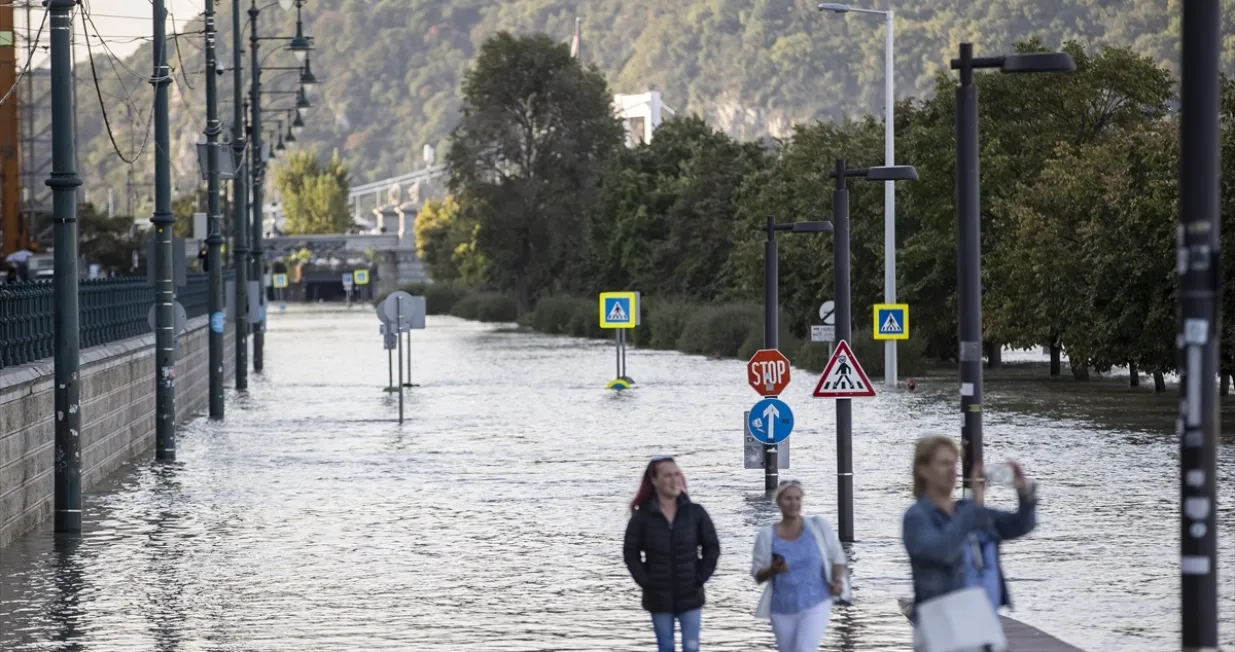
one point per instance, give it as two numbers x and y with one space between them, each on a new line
1038 62
892 173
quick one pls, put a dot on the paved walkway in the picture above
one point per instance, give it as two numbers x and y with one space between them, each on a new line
1021 637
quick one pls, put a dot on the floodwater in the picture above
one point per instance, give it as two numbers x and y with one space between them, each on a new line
492 518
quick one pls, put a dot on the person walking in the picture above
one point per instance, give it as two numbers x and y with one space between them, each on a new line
671 550
954 545
802 566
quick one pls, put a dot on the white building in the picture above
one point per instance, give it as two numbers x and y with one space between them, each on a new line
640 115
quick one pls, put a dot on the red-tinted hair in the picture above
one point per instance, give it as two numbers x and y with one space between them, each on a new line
646 489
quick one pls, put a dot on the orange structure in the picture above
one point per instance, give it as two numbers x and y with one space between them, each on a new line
12 227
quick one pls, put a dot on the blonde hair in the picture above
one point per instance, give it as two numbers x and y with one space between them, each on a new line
925 453
784 486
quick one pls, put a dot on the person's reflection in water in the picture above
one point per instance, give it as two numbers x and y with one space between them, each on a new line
65 612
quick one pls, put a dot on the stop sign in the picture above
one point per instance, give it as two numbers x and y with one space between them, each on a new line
768 372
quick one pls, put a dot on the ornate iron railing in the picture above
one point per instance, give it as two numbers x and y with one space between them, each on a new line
111 309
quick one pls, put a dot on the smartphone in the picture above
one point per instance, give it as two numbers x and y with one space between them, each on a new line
777 559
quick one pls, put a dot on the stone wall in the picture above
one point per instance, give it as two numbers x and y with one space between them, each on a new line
117 403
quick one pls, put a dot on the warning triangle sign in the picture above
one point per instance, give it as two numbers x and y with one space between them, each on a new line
616 313
890 325
843 377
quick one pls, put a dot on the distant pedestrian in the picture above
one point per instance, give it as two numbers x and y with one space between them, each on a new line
803 568
954 545
671 550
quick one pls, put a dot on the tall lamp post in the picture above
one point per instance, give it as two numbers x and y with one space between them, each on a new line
968 233
889 187
1200 322
214 236
771 314
844 321
240 196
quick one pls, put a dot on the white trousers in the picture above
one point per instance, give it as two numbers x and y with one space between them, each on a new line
802 631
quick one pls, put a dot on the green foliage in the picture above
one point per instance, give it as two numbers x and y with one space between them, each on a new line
484 306
535 131
314 195
440 298
446 242
105 241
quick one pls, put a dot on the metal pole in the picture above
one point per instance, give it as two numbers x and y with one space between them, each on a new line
771 291
240 236
624 338
889 198
969 267
390 368
1200 323
163 220
409 357
214 237
259 179
398 324
844 332
617 353
64 183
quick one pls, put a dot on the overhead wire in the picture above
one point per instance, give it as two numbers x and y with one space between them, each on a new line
103 105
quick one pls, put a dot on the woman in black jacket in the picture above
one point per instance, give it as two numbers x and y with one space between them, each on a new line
663 542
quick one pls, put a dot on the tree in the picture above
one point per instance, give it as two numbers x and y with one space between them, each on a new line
314 195
524 160
105 241
446 242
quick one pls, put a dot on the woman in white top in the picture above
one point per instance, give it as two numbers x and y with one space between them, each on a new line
802 566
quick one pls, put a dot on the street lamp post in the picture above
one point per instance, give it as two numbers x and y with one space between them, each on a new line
259 177
844 321
889 187
1200 322
214 236
240 196
771 310
163 221
968 233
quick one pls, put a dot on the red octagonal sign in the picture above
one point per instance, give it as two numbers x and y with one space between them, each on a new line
768 372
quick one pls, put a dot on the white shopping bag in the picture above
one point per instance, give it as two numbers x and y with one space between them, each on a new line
961 621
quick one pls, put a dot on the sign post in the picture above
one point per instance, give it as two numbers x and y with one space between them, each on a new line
279 281
770 421
347 288
891 321
825 332
401 313
361 279
620 312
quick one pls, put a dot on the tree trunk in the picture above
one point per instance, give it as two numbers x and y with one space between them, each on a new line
994 355
1159 382
1134 376
1080 372
523 294
1056 365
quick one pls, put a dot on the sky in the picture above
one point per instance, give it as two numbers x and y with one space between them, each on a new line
123 24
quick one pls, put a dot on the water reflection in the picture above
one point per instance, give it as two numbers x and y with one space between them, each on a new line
65 611
492 519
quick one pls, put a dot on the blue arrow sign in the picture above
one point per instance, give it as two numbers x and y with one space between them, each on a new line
770 421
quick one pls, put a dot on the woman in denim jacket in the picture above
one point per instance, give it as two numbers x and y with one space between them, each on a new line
955 545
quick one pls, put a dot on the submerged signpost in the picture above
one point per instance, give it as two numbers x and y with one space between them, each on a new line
400 313
620 312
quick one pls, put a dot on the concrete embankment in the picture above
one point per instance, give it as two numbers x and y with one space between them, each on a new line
117 403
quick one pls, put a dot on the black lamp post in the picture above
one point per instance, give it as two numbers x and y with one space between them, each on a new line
968 232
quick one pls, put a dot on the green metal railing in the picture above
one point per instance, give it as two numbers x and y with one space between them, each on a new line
111 309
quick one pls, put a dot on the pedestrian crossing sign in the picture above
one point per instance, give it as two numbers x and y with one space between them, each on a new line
619 309
280 281
361 276
891 321
843 376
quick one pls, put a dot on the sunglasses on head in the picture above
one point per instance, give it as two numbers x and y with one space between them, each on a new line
789 483
662 458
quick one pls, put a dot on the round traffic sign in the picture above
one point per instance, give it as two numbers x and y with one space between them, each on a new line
770 421
768 372
825 311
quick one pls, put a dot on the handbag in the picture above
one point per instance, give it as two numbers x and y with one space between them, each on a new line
961 621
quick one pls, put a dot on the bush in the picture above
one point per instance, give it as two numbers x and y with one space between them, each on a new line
439 297
664 322
813 356
486 307
553 315
721 329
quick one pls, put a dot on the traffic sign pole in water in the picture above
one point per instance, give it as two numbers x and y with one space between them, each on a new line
844 326
771 305
399 322
163 221
1199 244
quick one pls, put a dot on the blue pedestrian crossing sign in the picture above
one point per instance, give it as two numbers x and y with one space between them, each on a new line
619 309
891 321
770 421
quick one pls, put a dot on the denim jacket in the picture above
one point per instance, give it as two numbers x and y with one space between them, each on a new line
935 542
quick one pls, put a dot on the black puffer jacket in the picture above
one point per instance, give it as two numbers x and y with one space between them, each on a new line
671 562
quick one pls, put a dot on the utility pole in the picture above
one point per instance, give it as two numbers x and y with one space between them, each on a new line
1200 322
240 245
64 183
968 268
259 174
844 333
771 330
214 223
163 220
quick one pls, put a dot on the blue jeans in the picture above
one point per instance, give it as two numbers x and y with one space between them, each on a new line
689 622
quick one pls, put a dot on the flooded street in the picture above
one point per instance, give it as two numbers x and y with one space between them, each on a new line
492 519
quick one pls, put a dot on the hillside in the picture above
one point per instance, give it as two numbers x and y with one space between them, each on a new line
752 67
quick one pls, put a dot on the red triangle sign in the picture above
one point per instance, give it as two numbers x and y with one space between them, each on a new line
843 377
